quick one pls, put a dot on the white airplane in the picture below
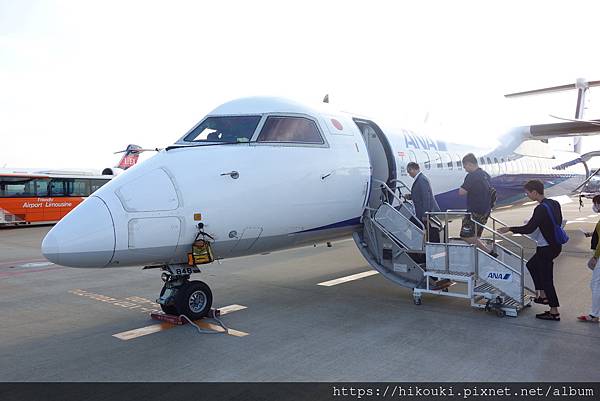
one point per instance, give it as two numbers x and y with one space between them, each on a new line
263 174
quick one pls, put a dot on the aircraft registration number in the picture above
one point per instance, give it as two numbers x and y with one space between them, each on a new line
183 270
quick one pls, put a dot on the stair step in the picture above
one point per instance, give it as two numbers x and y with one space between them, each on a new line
454 273
488 288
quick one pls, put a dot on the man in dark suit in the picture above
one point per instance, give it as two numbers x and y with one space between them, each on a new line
421 193
423 201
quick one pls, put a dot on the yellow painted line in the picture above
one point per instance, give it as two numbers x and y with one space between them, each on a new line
144 331
216 327
155 328
347 278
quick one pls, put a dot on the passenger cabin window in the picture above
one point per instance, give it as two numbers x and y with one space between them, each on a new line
458 162
290 130
489 161
438 159
448 159
230 129
426 161
481 161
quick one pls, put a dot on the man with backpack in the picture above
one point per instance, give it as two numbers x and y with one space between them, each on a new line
547 217
480 198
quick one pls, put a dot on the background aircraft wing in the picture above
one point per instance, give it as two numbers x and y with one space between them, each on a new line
564 129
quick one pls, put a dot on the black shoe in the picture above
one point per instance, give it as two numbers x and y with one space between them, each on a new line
493 254
548 316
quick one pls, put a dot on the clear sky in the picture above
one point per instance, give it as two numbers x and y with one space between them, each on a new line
82 79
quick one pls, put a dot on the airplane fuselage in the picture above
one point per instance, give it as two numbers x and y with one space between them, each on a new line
263 192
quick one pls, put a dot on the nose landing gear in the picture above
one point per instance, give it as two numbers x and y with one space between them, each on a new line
180 296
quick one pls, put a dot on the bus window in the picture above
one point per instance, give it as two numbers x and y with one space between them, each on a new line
96 183
426 160
16 187
78 187
56 187
41 188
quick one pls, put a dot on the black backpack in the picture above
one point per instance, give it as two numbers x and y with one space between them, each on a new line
492 191
492 197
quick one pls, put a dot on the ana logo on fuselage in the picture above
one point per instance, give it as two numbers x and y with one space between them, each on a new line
415 141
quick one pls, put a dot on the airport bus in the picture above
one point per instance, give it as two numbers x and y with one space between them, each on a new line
45 196
27 198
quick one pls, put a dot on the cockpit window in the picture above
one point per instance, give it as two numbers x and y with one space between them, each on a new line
224 129
290 129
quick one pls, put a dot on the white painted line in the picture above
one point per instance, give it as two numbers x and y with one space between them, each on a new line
580 218
347 278
504 207
517 235
37 264
592 215
529 203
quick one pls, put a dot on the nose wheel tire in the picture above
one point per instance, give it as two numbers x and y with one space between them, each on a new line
194 300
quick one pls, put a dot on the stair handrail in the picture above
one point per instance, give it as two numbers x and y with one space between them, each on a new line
455 212
503 224
385 186
522 258
402 184
400 200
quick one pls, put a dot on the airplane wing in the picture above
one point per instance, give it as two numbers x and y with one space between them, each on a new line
564 129
514 138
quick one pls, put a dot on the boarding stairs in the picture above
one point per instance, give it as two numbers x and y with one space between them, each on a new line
402 252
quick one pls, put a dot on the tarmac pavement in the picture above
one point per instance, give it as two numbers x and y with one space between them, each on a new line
59 323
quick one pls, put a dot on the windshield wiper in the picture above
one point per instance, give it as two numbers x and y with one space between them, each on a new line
200 144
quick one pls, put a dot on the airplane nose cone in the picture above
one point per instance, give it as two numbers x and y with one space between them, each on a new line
83 238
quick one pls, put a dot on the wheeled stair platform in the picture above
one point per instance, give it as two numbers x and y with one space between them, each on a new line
395 245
